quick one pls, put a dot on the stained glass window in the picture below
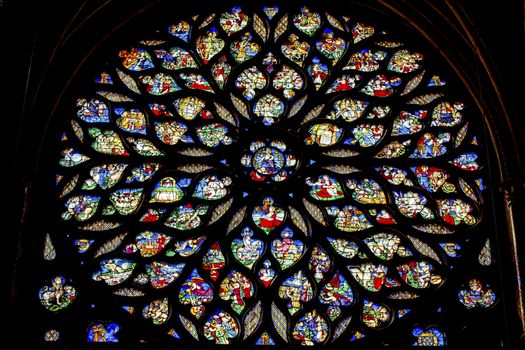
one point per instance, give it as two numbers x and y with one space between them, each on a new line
267 176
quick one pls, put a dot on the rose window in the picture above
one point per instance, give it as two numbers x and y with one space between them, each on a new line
267 177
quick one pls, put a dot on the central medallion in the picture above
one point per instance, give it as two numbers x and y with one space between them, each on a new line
269 160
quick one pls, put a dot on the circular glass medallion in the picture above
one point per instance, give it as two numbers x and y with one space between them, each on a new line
268 161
